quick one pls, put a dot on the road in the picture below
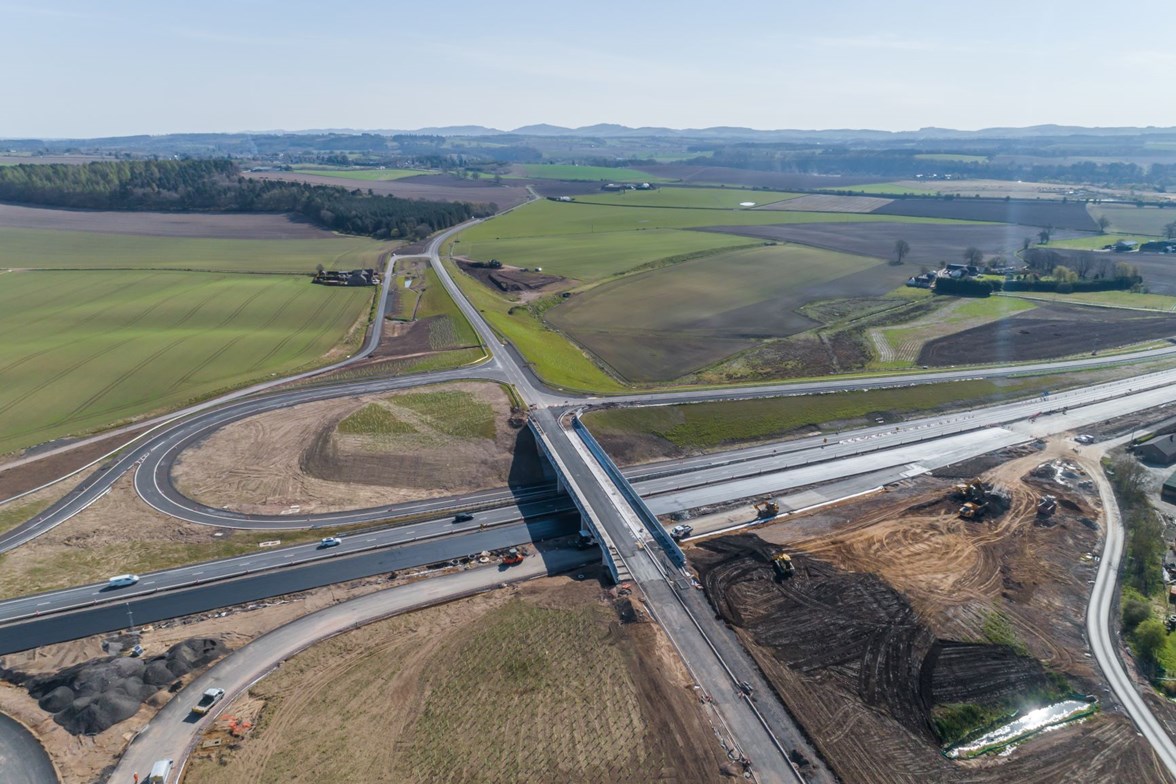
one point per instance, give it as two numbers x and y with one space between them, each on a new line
22 758
1102 630
173 731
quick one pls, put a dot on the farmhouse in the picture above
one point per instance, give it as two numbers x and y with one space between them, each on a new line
1168 492
1161 450
922 281
359 277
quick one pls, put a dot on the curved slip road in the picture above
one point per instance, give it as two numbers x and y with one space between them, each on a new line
22 757
173 732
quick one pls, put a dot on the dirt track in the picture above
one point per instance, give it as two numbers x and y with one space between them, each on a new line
161 224
866 637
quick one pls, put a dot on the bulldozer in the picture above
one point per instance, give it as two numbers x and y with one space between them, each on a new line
766 509
782 564
1046 506
973 510
974 491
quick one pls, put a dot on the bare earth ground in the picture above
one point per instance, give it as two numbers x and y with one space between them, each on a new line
536 683
294 460
829 203
19 479
1049 330
929 242
161 224
428 187
82 759
954 574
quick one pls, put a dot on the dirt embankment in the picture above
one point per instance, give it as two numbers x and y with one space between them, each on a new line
509 279
298 460
880 625
543 682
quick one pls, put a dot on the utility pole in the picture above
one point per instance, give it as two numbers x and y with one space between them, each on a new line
130 618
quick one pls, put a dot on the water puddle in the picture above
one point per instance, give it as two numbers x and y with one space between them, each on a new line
1022 727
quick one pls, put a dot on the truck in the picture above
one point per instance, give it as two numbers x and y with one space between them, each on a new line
513 557
160 772
681 531
209 698
782 564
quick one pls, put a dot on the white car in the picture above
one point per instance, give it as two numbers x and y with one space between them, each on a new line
1084 439
331 541
122 580
680 532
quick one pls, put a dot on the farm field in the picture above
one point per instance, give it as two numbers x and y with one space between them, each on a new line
1023 212
1111 299
491 689
1049 330
1099 241
1129 219
750 178
163 224
364 174
899 346
85 349
663 324
431 187
701 198
929 243
990 189
636 435
821 202
90 250
951 156
914 188
555 171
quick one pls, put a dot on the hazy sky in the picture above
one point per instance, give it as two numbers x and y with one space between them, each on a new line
96 69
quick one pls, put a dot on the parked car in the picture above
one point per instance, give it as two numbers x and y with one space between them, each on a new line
331 541
1084 438
122 580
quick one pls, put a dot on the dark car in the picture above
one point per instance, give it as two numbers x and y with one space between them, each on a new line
464 517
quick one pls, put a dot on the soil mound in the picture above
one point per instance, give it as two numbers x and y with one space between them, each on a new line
93 696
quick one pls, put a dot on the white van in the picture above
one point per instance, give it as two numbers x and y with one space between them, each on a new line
160 772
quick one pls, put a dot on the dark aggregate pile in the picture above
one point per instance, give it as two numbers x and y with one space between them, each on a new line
93 696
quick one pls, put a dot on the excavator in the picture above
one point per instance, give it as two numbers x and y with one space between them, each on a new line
767 509
513 557
782 564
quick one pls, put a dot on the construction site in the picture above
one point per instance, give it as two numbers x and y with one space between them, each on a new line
903 627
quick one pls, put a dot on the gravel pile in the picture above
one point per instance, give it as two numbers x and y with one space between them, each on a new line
93 696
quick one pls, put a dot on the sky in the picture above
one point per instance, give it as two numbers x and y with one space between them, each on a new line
121 67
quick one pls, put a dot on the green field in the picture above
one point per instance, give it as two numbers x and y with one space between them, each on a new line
556 171
455 413
1129 219
365 174
701 198
450 329
37 249
1114 299
1099 241
888 188
663 324
85 349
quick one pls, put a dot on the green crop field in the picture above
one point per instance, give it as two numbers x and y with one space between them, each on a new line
85 349
1114 299
1129 219
556 171
702 198
662 324
1099 241
889 188
38 249
365 174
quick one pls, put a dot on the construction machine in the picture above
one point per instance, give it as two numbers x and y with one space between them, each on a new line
1046 506
970 491
766 509
782 564
513 557
973 510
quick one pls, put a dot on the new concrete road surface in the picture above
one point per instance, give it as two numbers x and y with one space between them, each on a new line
174 731
220 583
22 758
1103 634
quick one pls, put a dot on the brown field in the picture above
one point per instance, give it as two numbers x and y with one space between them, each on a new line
749 178
539 683
1050 330
510 279
930 242
161 224
1037 212
892 612
829 203
430 187
298 460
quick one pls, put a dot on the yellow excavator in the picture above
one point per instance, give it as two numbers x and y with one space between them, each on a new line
782 563
767 509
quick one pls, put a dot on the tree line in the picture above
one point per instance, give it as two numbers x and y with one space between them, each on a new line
212 185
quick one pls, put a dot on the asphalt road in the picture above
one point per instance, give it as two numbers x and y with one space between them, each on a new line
173 731
208 586
22 757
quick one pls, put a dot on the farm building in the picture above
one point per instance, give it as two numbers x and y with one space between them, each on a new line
1168 491
1161 450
